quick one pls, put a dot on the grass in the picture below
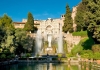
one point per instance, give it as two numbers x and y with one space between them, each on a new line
85 44
81 33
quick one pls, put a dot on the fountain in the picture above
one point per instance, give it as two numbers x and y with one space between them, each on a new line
38 46
49 35
49 40
49 48
60 41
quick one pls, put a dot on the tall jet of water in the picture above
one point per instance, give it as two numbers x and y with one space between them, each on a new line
60 40
38 42
49 40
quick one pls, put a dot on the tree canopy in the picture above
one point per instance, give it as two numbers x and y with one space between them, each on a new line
6 34
68 23
88 18
29 26
13 40
92 18
79 18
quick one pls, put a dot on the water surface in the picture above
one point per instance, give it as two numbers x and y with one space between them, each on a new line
47 66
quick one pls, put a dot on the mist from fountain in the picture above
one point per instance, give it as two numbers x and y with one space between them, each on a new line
60 41
38 44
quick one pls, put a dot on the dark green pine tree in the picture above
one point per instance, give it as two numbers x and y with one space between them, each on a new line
92 19
68 23
79 18
29 26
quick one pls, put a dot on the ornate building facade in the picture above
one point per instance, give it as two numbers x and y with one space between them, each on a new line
49 26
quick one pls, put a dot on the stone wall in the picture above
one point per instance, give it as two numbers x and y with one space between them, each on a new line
71 40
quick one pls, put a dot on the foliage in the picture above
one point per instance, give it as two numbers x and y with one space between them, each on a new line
13 40
29 26
6 34
88 18
87 44
9 43
96 48
68 21
79 18
81 33
12 55
3 56
84 44
86 54
2 34
6 23
8 57
59 55
92 18
23 41
78 48
96 55
70 55
28 54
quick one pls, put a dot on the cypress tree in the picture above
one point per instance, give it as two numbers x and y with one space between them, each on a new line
79 18
68 20
29 26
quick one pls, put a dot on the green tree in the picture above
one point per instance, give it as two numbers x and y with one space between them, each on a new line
29 26
6 23
6 34
68 20
23 42
79 18
92 18
20 40
8 44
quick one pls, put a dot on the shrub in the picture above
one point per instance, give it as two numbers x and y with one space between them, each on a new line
28 54
3 56
71 30
85 44
12 55
9 56
59 55
96 48
78 48
87 54
70 55
96 55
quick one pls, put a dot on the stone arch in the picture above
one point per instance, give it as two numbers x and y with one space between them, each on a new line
49 27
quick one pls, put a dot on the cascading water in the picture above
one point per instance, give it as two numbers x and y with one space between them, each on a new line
60 41
38 42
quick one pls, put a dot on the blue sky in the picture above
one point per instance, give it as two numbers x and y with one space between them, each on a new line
41 9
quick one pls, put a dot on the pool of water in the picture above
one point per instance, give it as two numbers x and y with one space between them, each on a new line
49 66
